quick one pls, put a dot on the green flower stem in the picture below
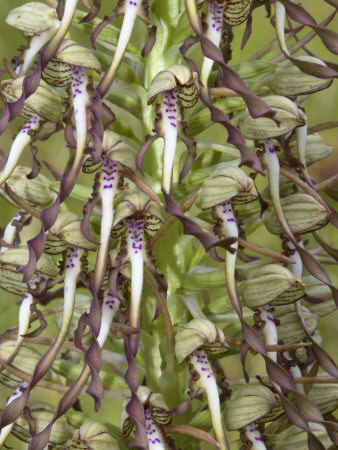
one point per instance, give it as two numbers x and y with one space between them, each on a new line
254 437
131 12
193 14
22 139
108 188
214 33
5 431
229 229
200 364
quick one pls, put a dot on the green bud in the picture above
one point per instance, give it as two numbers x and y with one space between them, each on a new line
34 191
74 54
32 18
287 112
200 278
176 77
19 257
199 333
139 203
26 359
288 80
302 212
294 438
289 328
45 101
67 229
230 183
325 396
246 405
94 436
316 149
117 150
271 284
42 415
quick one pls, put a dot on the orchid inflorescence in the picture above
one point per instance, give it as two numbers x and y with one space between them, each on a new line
156 284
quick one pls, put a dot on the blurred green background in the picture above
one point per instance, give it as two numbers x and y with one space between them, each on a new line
320 107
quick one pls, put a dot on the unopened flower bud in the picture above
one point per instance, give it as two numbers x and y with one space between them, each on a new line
289 328
32 18
19 257
138 202
200 278
42 414
302 212
35 191
230 183
67 229
325 396
45 101
199 333
287 112
93 435
295 438
271 284
288 80
315 149
177 77
26 359
247 405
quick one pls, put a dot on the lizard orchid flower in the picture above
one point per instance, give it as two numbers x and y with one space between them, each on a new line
155 416
225 188
43 105
136 217
221 13
179 89
199 337
37 21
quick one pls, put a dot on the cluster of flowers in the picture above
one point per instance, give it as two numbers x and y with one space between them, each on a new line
141 271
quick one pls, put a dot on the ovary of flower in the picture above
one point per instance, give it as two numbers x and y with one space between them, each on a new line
169 110
200 364
22 139
214 33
